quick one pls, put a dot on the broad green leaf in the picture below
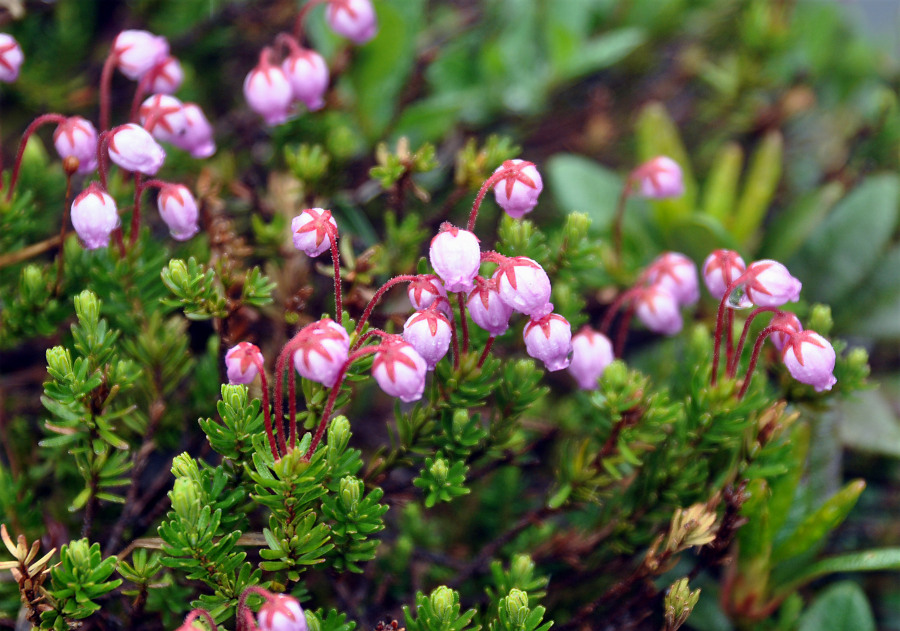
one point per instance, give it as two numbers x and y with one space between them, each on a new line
720 190
759 188
869 423
594 54
582 185
427 120
696 235
784 488
841 607
755 537
791 227
876 305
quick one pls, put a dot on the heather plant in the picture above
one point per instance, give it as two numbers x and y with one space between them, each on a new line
527 391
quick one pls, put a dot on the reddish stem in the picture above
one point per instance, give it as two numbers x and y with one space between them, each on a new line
455 339
486 351
617 304
288 41
731 368
105 83
720 323
287 351
267 414
488 183
336 260
142 88
729 338
404 278
766 332
332 397
368 334
292 400
301 18
244 615
622 333
461 296
103 158
136 215
619 220
492 257
197 613
37 122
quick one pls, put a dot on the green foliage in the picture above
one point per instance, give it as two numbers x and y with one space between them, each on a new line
439 611
242 420
515 614
442 480
203 292
80 579
354 518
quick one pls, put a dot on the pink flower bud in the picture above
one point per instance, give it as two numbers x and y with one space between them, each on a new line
163 116
269 93
138 51
400 370
77 138
720 269
787 320
313 230
549 339
241 362
487 309
592 352
678 274
133 148
178 209
94 216
658 309
354 19
308 74
517 193
167 76
524 286
197 138
425 290
11 58
428 332
810 359
659 178
456 257
322 350
768 283
281 613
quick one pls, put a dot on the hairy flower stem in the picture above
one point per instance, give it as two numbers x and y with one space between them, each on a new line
287 351
244 617
486 351
142 88
136 214
267 414
292 400
404 278
43 119
62 232
301 18
336 261
720 324
766 332
622 333
332 397
103 158
731 367
461 296
488 183
455 339
105 84
198 613
617 304
618 220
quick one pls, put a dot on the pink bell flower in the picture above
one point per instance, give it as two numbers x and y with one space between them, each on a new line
487 309
11 58
658 309
134 149
787 320
138 51
768 283
400 370
592 352
659 178
517 193
425 290
810 359
281 613
720 269
197 138
322 350
94 216
268 91
76 138
354 19
166 76
163 116
524 285
308 74
428 331
313 230
178 209
678 274
456 256
549 339
241 363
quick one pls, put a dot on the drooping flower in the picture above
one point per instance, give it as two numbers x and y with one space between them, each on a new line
810 359
308 74
76 138
658 309
429 332
678 273
322 350
178 209
549 339
720 269
313 230
425 290
11 58
354 19
134 149
456 257
241 363
281 613
94 216
592 352
659 178
197 138
787 320
524 285
138 51
486 308
399 369
768 283
268 91
163 116
517 193
167 76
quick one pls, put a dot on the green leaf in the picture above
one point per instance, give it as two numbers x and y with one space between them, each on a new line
720 191
792 226
870 423
759 188
594 54
840 607
869 561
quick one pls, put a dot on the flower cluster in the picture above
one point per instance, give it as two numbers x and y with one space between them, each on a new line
288 74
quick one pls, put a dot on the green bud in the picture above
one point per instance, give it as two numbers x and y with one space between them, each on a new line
616 375
460 420
235 397
312 622
87 308
308 163
33 284
185 496
679 603
59 362
183 466
521 566
858 361
442 603
351 490
577 226
820 319
517 606
79 552
178 272
338 434
439 470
